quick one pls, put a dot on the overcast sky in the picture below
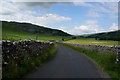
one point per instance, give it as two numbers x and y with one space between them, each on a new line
73 17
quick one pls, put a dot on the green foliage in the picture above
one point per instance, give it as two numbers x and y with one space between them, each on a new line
105 60
87 41
73 37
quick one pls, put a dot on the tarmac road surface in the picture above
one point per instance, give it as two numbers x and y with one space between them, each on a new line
68 64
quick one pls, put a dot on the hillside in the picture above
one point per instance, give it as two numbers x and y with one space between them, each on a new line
30 28
114 35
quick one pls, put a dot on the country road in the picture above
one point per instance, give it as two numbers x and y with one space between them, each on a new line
68 64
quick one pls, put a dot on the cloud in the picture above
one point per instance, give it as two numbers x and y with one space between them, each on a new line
93 13
28 17
64 0
8 8
90 28
90 22
84 4
41 0
32 5
53 18
100 9
83 29
13 12
114 27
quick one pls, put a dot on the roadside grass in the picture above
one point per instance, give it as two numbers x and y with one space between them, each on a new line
93 41
28 65
106 61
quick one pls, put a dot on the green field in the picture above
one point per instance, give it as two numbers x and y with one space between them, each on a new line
14 35
93 42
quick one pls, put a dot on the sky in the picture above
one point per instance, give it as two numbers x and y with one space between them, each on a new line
75 18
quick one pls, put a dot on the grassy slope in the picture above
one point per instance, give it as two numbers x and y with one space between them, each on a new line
93 41
15 31
13 34
106 61
113 35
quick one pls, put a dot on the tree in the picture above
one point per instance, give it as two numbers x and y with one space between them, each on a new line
74 37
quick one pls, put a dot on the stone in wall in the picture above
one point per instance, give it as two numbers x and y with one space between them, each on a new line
101 49
20 50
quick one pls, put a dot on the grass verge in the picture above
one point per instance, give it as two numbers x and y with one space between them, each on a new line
106 60
17 72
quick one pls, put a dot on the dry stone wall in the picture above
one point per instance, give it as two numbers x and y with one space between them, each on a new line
101 49
20 50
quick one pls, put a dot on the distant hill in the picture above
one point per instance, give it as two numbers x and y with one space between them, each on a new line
114 35
30 28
